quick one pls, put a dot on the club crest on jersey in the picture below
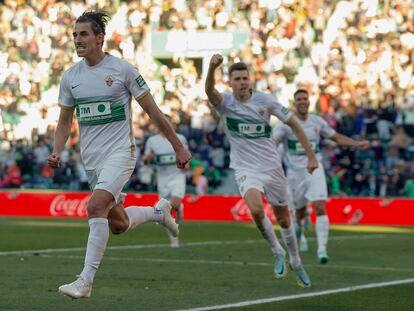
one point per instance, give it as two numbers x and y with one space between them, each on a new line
261 111
109 80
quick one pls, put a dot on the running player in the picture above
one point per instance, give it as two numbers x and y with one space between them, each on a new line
305 187
253 155
170 179
100 88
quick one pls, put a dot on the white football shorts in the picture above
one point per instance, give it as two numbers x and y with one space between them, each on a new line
305 187
112 174
272 184
171 185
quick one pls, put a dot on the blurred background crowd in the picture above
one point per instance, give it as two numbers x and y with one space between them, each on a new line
354 57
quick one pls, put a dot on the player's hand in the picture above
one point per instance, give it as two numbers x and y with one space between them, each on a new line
147 158
183 156
187 166
53 160
312 164
215 61
363 144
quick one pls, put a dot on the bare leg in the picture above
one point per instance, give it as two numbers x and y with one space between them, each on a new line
253 198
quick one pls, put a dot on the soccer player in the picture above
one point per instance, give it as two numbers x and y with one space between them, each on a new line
100 87
253 155
170 179
305 187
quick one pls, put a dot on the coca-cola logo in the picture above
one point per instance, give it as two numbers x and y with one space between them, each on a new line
241 211
61 206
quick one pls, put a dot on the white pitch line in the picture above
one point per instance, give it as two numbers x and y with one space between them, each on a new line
124 247
299 296
203 243
233 263
192 261
330 266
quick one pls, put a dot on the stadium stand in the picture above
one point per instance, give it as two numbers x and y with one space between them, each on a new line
354 57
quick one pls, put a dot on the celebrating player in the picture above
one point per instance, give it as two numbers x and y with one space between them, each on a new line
100 88
253 155
303 186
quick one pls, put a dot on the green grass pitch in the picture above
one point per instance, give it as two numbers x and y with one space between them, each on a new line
217 265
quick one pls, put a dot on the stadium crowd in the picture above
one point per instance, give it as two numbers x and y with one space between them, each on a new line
354 57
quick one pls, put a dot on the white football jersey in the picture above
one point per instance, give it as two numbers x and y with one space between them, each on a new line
102 96
295 156
164 154
249 132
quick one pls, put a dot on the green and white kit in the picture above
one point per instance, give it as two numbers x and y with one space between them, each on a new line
302 185
253 154
170 179
102 96
248 130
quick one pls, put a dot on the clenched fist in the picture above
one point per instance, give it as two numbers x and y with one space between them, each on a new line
363 144
216 61
53 160
183 156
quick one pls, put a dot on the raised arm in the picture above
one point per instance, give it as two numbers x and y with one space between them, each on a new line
150 107
61 135
213 95
300 135
346 141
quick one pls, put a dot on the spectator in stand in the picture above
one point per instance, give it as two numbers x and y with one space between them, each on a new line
213 177
13 178
217 156
202 186
409 187
400 139
41 152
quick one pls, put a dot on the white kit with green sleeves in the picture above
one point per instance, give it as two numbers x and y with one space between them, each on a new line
248 130
102 96
164 154
302 185
295 156
170 179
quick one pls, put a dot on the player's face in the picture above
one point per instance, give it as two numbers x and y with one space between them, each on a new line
302 103
86 42
240 83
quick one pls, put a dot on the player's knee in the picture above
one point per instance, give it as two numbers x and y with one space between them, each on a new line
118 227
94 209
320 211
300 213
284 222
257 214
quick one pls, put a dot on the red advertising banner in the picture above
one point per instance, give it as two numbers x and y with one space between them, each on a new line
375 211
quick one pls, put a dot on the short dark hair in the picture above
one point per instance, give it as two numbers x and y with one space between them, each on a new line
237 67
300 91
98 20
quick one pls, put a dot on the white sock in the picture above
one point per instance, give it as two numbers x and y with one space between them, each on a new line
322 232
95 249
139 215
174 241
303 238
289 237
266 229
